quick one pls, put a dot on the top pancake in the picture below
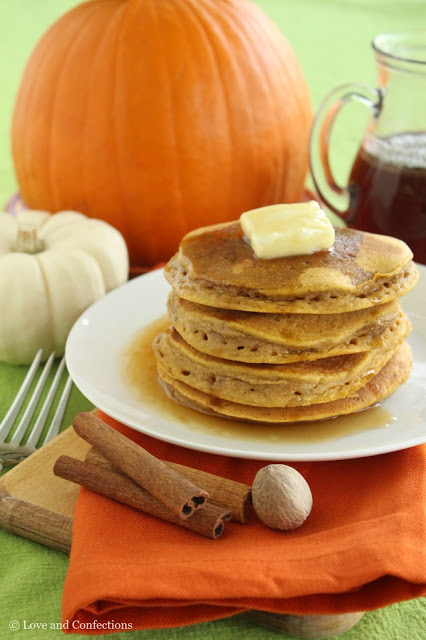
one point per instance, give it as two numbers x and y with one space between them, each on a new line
215 266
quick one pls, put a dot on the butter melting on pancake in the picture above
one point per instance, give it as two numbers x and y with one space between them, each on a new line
216 267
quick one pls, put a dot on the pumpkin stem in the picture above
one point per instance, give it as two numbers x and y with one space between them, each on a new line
27 241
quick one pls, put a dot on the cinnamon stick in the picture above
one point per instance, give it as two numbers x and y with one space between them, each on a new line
177 493
208 522
223 491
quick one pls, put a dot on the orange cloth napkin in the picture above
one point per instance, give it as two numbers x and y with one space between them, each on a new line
363 547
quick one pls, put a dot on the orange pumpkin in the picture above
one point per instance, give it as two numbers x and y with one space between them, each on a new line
161 116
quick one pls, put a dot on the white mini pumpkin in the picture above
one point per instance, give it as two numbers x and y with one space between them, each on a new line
52 267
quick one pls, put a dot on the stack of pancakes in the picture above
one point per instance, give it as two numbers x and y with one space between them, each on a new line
290 339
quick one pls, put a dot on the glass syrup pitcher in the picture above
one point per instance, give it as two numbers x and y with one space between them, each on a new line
386 191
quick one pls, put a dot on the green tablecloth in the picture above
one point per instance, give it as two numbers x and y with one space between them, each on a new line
332 40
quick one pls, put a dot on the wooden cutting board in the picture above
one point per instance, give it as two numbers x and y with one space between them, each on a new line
35 504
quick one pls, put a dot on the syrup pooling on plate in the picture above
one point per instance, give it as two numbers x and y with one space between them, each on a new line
140 372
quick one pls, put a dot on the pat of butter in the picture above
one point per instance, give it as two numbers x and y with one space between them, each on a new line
282 230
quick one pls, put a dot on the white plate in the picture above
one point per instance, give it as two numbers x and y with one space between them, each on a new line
94 355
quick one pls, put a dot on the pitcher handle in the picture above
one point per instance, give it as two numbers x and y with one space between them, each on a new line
319 142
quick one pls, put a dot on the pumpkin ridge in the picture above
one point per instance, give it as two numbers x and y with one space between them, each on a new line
290 68
173 128
233 23
302 108
26 139
92 275
237 35
276 195
23 124
50 332
213 55
268 196
61 78
85 137
282 160
119 15
300 115
93 120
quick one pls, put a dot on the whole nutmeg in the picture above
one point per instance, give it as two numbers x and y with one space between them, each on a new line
281 497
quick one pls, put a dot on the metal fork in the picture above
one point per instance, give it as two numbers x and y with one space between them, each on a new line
14 451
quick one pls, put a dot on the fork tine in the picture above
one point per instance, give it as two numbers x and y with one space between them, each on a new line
22 427
13 411
41 420
60 410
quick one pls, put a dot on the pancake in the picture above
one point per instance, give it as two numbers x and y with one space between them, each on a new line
279 338
390 377
288 385
216 267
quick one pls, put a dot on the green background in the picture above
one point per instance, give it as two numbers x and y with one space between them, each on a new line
332 41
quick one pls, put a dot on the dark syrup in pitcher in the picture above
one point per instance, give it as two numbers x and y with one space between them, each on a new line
387 185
